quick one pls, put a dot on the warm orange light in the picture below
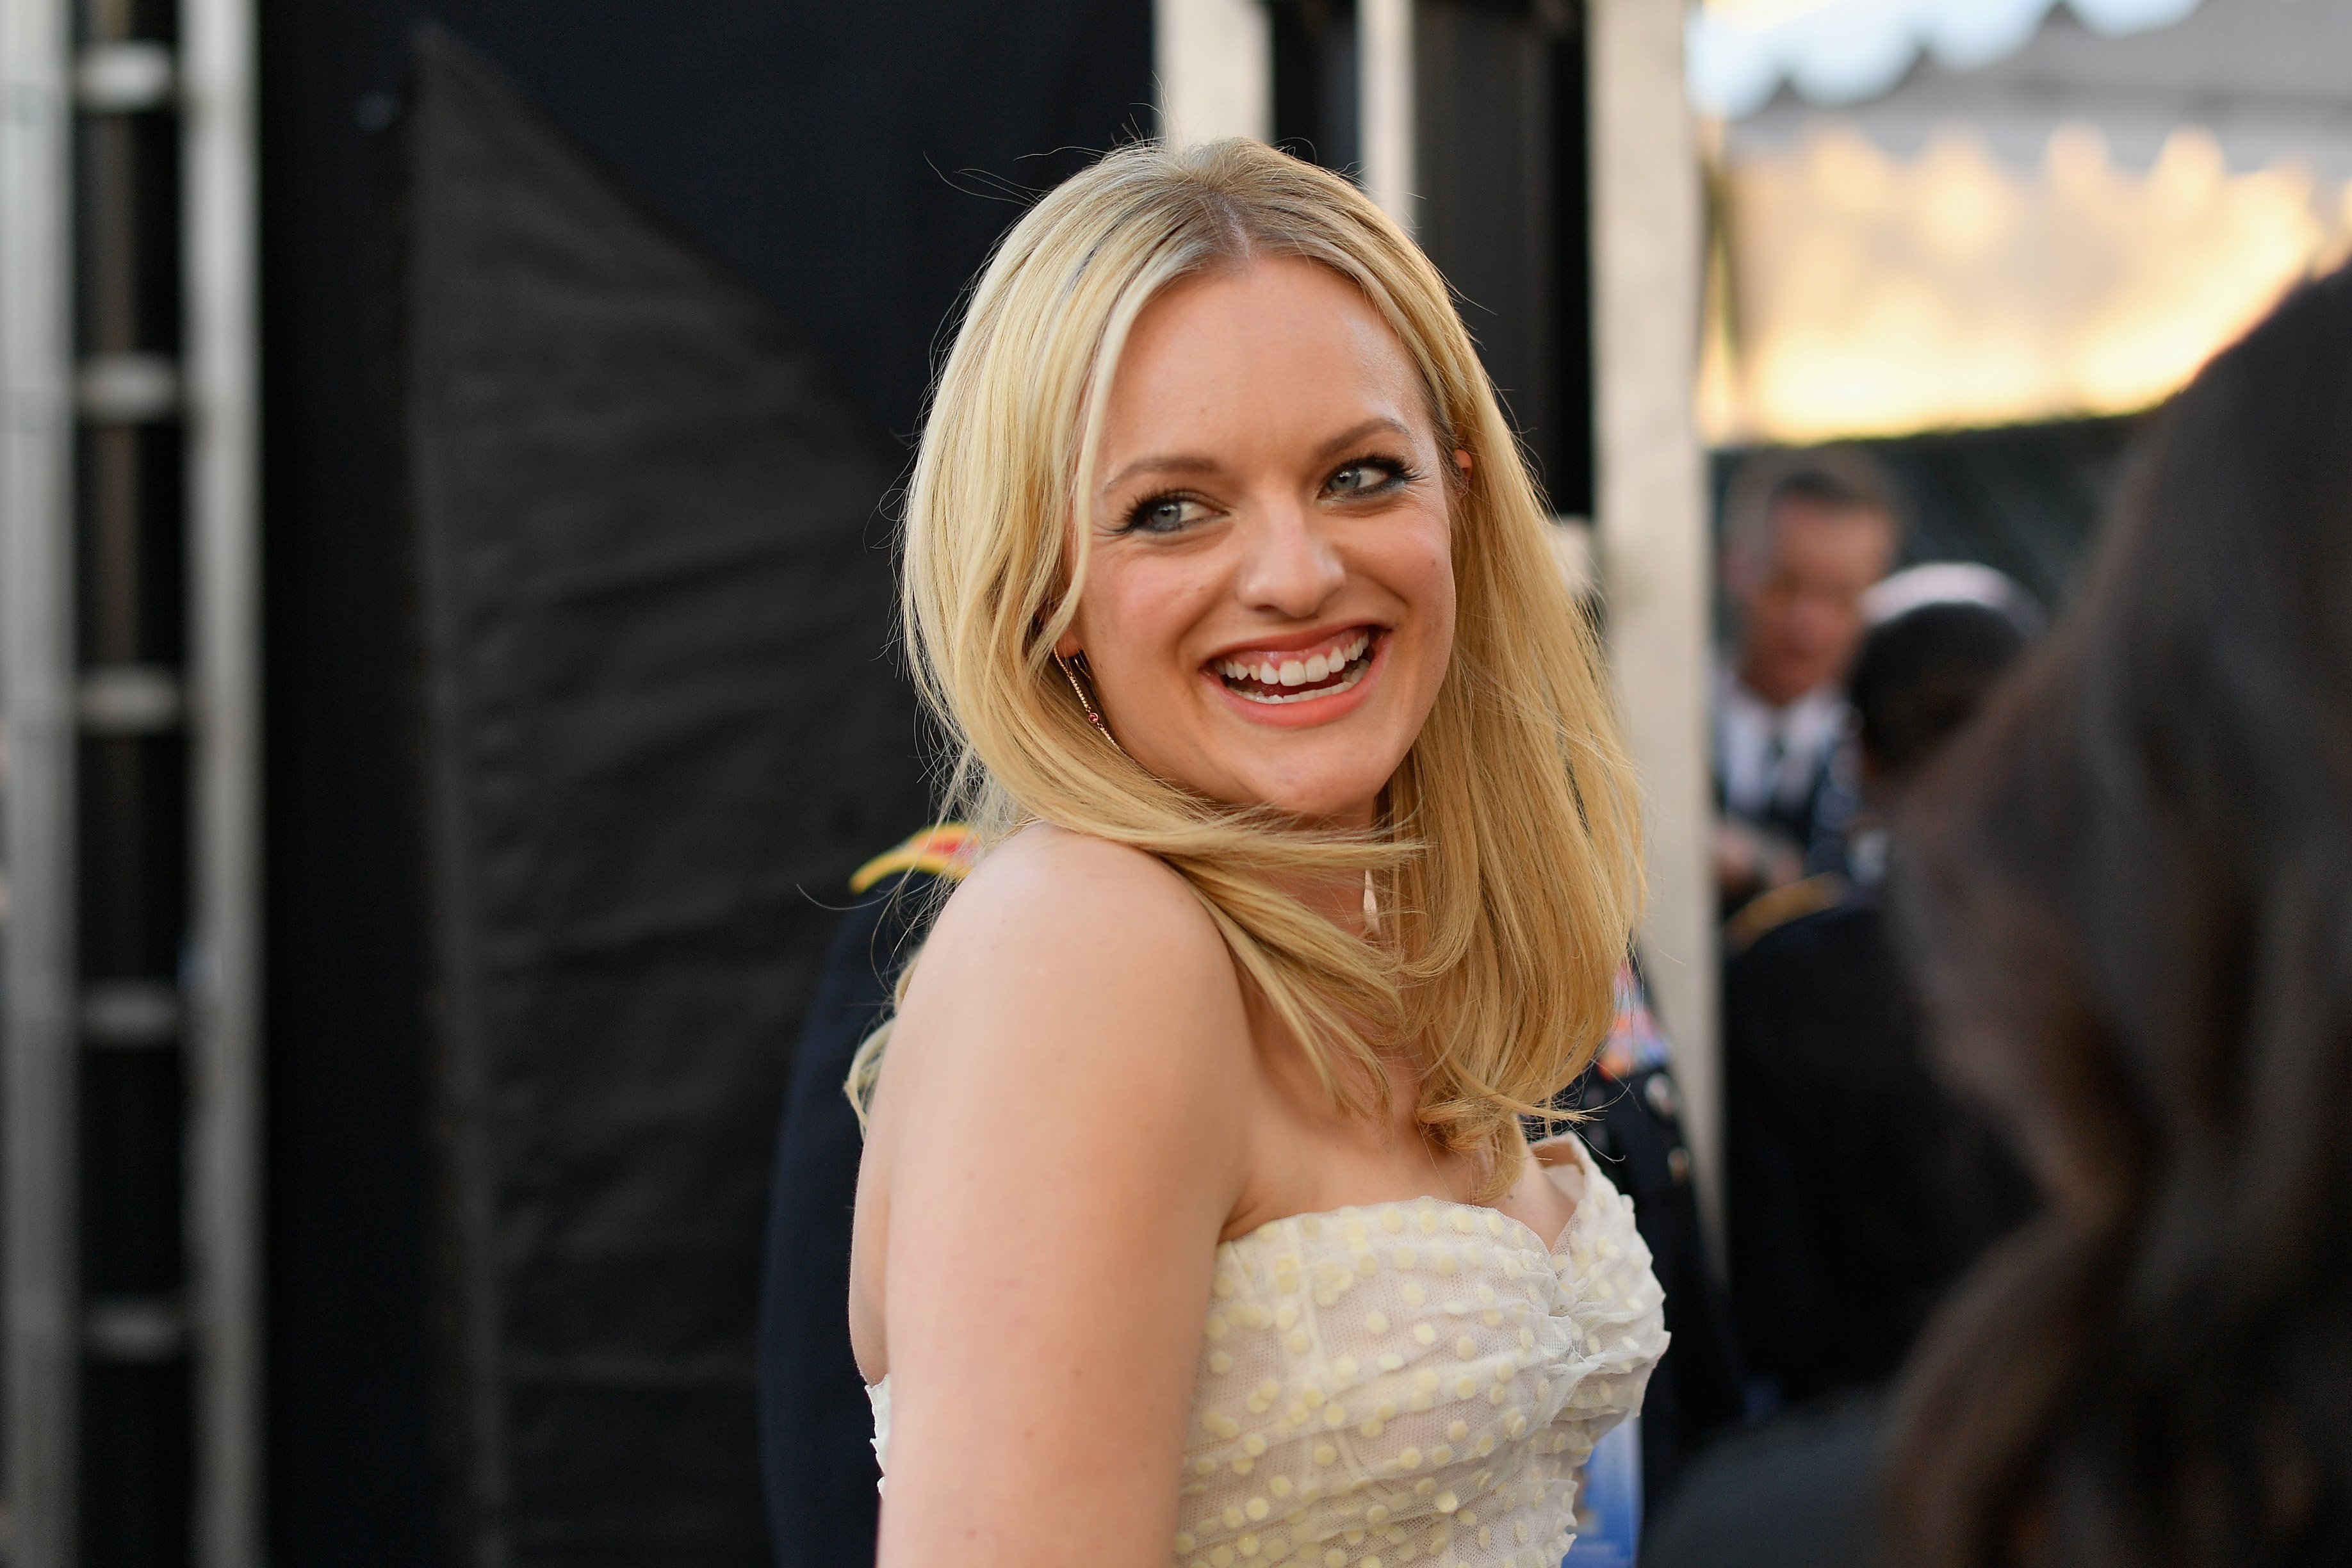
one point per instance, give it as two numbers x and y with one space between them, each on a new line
1872 296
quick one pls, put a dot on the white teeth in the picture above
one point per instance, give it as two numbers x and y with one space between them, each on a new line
1346 659
1349 678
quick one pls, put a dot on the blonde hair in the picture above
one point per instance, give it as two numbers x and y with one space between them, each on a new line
1508 854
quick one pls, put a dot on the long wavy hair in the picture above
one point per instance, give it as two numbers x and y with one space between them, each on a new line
2131 892
1507 853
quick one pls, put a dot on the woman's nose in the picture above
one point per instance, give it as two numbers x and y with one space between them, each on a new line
1290 569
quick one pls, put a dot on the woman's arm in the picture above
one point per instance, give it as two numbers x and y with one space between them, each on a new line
1059 1142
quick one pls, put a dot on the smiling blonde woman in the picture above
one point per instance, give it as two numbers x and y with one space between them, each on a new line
1195 1216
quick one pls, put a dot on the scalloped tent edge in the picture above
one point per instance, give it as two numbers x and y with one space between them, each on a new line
1849 51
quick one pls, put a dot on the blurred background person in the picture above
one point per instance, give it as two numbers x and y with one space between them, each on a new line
2127 896
1795 568
1857 1190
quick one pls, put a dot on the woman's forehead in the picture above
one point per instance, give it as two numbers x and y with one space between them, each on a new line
1280 350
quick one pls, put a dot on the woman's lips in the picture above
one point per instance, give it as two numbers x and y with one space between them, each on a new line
1296 675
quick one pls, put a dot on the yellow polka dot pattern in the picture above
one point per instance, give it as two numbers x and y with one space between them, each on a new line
1411 1383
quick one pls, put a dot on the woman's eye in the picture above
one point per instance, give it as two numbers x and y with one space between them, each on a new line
1164 515
1364 478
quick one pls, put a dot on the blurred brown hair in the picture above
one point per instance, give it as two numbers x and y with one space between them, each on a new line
2129 892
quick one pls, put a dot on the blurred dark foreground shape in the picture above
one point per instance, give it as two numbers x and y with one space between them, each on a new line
2128 894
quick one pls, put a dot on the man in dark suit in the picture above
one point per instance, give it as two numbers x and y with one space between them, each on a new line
1798 563
1858 1189
816 1427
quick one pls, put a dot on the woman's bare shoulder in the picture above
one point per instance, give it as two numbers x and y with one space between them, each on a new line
1062 867
1078 897
1062 1085
1096 951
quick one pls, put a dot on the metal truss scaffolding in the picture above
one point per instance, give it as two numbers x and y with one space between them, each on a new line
130 1139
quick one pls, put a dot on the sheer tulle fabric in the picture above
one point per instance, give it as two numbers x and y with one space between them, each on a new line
1407 1383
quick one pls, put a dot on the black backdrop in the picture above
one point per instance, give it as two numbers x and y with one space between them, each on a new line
848 162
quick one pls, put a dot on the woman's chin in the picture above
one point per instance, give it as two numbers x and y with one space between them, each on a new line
1333 777
1346 798
1346 794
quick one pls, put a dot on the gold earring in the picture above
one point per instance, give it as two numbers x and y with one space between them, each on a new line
1087 702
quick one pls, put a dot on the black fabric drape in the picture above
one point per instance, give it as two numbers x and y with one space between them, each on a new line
655 711
849 165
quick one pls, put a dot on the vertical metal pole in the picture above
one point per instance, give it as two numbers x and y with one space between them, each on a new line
1653 513
38 1044
223 352
1385 90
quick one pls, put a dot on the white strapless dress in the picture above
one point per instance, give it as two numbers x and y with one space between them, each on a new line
1409 1381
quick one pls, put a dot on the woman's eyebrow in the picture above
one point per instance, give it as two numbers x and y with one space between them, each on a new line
1179 463
1375 425
1190 463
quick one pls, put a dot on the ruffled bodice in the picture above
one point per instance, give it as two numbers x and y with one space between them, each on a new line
1411 1380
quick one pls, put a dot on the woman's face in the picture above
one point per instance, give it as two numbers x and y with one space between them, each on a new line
1269 609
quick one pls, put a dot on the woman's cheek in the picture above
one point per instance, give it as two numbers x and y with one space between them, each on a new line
1143 622
1425 576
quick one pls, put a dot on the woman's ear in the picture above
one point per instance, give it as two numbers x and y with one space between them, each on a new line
1066 646
1461 460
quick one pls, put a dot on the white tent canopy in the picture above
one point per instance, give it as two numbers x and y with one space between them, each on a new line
2270 79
